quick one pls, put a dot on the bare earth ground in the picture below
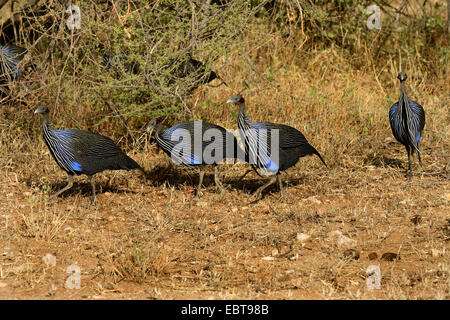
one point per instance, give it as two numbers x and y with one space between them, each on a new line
154 240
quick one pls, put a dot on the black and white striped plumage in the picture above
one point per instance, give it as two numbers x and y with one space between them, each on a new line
83 152
10 57
407 119
197 143
260 138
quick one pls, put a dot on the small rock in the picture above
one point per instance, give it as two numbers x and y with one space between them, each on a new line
268 258
234 210
390 256
275 252
3 284
406 203
373 280
313 199
352 254
435 253
341 239
202 204
294 257
49 260
302 237
68 229
372 256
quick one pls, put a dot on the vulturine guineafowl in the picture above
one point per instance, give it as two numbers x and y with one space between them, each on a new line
194 70
270 147
197 143
407 119
10 57
83 152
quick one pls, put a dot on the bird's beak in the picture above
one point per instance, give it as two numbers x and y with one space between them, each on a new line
35 111
151 124
230 101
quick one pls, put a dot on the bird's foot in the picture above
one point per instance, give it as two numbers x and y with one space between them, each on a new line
255 196
221 189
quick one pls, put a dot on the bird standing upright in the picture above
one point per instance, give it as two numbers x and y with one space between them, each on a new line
407 119
271 157
197 143
82 152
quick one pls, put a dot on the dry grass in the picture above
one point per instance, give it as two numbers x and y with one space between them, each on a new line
155 240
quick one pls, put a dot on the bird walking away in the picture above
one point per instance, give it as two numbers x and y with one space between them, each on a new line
407 119
83 152
270 147
194 70
10 57
197 143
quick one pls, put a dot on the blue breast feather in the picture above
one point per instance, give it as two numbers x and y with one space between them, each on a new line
262 133
180 145
64 138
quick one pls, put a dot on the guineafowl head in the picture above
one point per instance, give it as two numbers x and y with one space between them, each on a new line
238 99
42 110
154 124
402 76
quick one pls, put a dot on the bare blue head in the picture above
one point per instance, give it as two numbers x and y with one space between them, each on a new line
42 110
402 76
236 99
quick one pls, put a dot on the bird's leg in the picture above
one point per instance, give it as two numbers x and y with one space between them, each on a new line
281 185
243 176
418 156
91 179
67 187
261 189
217 180
199 187
409 162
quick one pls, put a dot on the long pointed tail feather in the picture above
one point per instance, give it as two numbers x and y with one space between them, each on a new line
314 151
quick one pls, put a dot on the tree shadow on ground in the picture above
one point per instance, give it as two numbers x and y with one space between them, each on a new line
252 182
